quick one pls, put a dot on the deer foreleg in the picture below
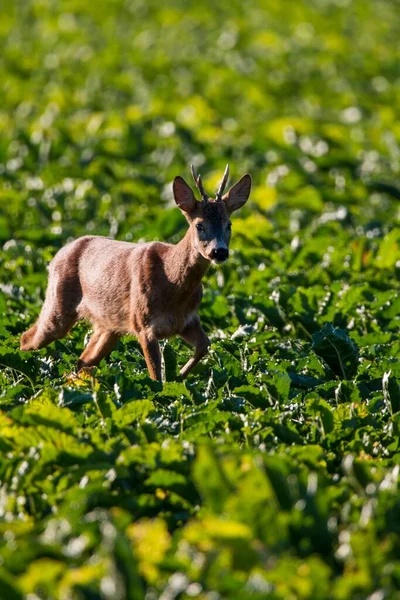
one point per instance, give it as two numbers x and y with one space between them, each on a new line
152 355
195 336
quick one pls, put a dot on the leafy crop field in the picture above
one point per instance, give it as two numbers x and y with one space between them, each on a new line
273 471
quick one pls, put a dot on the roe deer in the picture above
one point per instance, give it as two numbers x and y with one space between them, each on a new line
152 290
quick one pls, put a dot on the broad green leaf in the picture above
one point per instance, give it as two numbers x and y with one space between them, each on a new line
319 407
210 479
137 410
337 349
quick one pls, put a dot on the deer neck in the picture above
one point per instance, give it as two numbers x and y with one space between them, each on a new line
185 266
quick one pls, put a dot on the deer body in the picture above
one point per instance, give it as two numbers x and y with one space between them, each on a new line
151 290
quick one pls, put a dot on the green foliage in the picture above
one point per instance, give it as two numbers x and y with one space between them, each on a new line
273 471
337 349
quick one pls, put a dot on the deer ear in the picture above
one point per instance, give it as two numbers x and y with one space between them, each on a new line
238 194
183 195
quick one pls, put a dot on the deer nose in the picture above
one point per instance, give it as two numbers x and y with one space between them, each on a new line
219 254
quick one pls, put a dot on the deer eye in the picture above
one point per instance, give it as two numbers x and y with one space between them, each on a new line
199 227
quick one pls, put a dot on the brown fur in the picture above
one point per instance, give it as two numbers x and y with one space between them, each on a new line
152 290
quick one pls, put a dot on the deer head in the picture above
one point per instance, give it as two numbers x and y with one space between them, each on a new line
209 221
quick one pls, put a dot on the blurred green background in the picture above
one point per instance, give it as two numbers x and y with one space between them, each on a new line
104 103
273 471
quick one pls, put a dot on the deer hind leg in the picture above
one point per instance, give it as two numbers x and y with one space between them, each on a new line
53 324
152 355
59 311
195 336
100 344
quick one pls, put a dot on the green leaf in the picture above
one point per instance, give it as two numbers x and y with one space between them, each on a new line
391 392
318 407
137 410
337 349
8 588
170 362
210 479
165 479
256 396
389 250
278 385
104 404
42 412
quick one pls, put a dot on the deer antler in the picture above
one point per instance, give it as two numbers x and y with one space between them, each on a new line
223 184
198 182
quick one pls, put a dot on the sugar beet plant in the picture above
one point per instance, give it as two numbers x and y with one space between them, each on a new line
272 471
